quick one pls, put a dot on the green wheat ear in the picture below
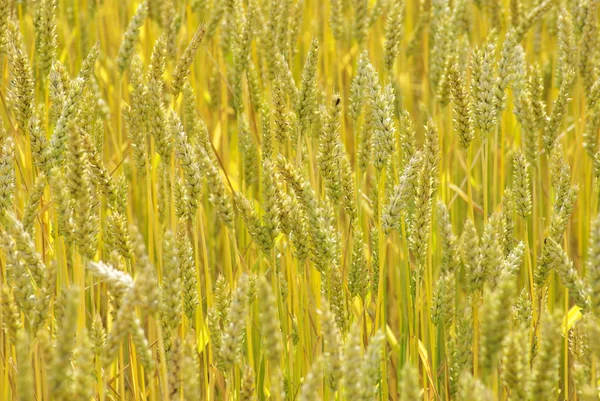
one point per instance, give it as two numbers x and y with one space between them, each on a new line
181 69
520 189
127 47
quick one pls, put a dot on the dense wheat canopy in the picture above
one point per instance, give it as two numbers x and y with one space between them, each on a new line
351 200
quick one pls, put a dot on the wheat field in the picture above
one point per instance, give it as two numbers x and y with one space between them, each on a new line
299 200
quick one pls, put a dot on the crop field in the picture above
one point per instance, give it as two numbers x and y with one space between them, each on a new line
345 200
